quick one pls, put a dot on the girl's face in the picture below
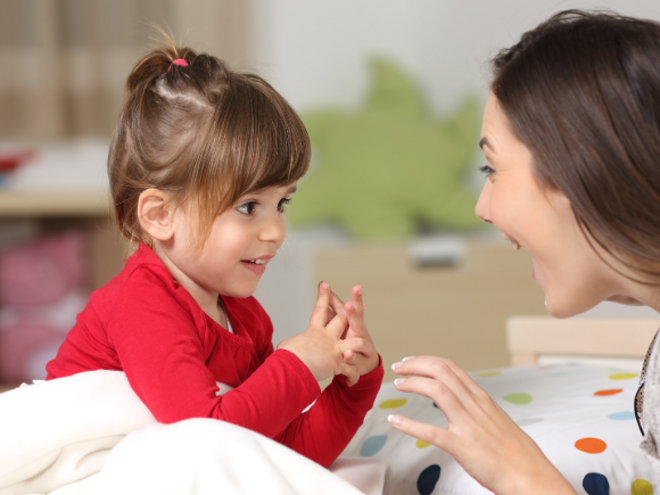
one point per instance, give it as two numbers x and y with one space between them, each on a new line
541 221
242 241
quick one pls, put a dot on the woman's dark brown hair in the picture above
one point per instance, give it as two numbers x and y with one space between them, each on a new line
582 91
203 133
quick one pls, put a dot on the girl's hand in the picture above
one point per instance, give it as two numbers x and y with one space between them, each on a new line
480 435
321 347
365 361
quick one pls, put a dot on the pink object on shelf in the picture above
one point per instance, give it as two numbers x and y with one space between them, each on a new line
43 271
19 345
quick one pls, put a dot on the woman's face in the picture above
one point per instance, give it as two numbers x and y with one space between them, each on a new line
541 221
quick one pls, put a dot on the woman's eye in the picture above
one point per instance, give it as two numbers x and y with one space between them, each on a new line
486 170
247 208
284 202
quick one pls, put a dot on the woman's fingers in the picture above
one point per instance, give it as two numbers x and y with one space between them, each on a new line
437 368
422 431
446 383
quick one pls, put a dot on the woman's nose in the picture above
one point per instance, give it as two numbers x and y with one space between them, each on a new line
482 209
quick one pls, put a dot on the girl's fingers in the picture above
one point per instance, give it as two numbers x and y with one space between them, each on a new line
320 312
337 326
357 346
351 373
336 303
356 299
422 431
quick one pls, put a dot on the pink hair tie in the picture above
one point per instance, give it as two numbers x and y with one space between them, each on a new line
178 61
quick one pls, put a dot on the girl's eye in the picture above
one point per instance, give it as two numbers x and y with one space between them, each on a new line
284 202
247 208
486 170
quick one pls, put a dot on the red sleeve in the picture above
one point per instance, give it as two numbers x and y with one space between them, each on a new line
324 431
162 353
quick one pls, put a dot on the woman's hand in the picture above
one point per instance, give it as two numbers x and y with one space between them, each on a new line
323 345
482 438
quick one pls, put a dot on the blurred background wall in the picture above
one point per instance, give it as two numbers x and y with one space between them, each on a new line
437 289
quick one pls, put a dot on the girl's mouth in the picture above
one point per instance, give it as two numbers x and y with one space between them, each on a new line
256 265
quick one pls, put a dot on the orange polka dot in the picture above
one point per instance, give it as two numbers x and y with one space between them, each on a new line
591 445
611 391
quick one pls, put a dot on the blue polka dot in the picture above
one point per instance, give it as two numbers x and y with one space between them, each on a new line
428 479
622 416
372 445
596 484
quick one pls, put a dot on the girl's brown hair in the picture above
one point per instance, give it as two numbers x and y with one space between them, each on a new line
202 133
582 91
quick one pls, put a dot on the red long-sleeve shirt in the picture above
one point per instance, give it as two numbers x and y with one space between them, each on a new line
144 323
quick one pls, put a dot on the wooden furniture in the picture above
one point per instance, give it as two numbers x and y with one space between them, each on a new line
529 338
455 311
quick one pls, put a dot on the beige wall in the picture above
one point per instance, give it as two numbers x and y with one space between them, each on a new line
458 312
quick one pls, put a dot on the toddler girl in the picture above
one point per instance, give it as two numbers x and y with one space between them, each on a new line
202 164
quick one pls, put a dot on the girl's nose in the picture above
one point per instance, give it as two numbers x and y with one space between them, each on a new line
273 229
482 209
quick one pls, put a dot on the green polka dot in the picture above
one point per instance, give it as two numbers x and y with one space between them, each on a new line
641 487
393 403
518 398
488 373
624 376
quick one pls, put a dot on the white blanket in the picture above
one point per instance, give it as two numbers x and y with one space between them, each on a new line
90 434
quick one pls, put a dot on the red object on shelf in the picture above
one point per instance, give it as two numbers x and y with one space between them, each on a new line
12 159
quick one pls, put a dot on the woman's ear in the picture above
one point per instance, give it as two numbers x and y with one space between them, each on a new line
155 213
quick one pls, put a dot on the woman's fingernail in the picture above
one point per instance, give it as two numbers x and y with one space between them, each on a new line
325 285
399 381
407 358
394 419
396 365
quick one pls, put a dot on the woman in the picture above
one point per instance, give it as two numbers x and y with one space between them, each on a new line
571 137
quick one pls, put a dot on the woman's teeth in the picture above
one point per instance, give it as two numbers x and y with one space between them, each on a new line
256 262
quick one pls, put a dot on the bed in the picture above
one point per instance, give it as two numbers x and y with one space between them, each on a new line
571 388
579 412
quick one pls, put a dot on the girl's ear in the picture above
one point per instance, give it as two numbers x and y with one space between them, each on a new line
155 214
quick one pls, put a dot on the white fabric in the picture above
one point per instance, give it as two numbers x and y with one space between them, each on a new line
90 434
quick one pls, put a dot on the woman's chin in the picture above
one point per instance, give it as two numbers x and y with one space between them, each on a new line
627 300
565 309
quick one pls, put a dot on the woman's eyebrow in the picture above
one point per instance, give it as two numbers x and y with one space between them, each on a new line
484 142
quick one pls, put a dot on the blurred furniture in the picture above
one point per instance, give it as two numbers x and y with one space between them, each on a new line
534 339
57 211
88 211
455 309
